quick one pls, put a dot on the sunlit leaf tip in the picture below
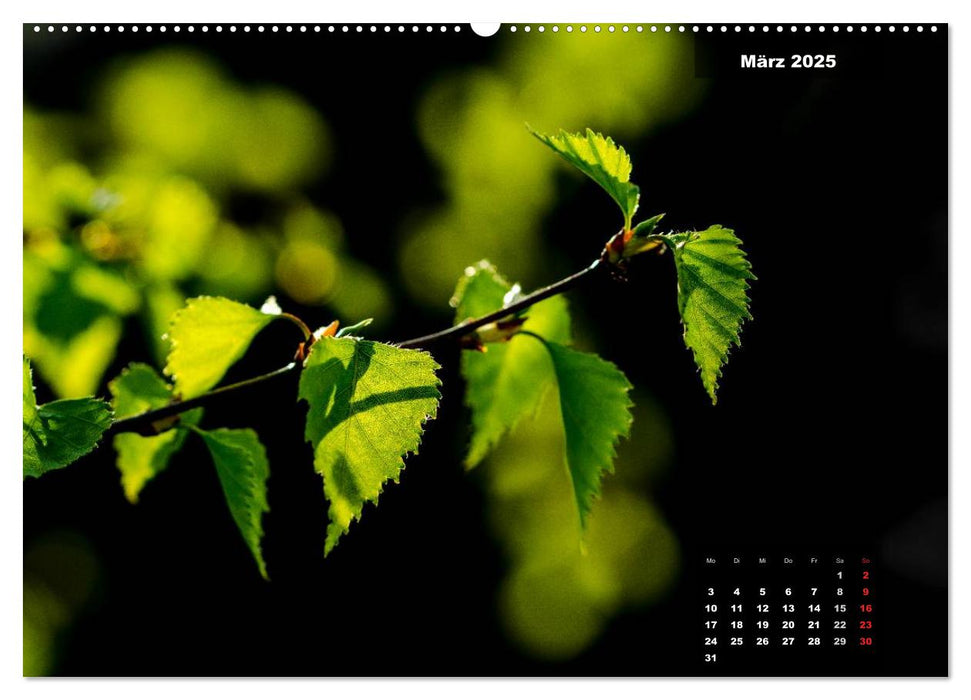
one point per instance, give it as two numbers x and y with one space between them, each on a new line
243 470
713 277
602 160
595 406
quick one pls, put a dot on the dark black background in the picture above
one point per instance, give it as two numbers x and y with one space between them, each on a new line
829 436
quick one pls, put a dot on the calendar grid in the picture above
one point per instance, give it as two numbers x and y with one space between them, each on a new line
789 612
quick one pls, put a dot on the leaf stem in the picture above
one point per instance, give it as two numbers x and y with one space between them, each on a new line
142 423
307 333
470 325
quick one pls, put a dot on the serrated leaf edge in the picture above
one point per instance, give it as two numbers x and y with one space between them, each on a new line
168 371
344 530
676 241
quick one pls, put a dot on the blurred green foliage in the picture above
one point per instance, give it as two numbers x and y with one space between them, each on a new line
61 574
498 184
127 211
558 597
178 109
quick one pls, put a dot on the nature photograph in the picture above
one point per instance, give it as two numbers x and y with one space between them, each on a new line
394 350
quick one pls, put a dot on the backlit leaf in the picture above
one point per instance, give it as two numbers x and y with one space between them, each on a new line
713 276
60 432
602 160
243 469
368 405
596 414
208 336
505 383
137 389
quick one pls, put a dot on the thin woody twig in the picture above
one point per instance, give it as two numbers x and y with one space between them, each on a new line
143 423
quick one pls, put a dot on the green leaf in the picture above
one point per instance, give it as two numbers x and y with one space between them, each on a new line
208 336
602 160
243 469
137 389
30 400
506 383
596 413
713 276
368 403
60 432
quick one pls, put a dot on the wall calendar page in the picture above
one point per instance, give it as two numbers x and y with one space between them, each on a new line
545 349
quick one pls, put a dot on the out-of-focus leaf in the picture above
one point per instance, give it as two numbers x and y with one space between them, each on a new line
368 405
236 263
361 292
307 271
180 221
182 111
72 310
